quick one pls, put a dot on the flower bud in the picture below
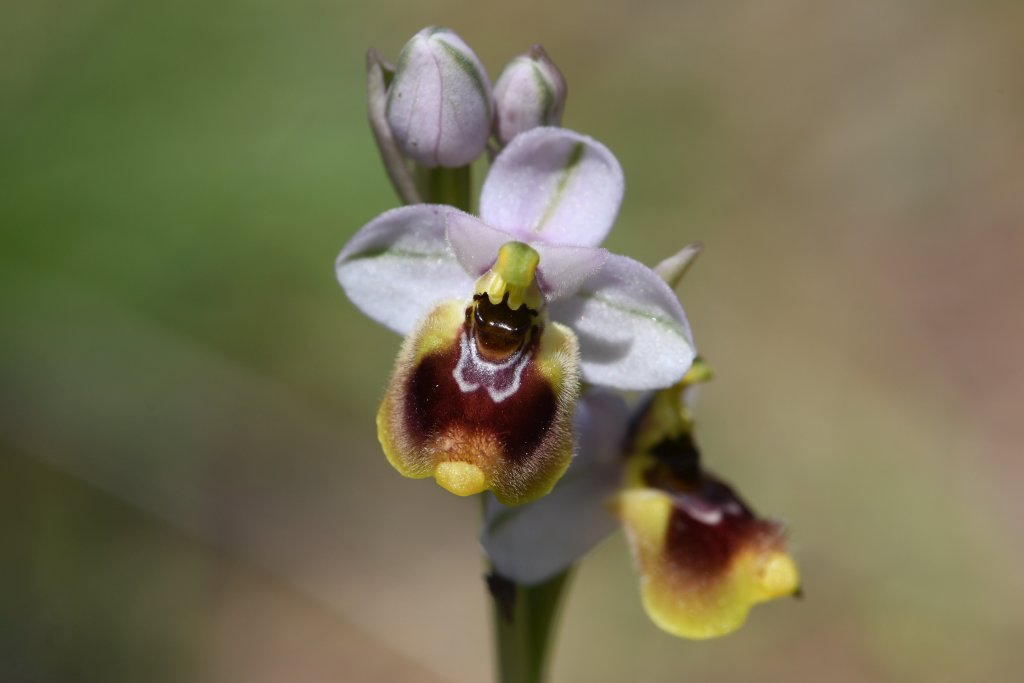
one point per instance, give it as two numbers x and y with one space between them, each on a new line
529 93
439 104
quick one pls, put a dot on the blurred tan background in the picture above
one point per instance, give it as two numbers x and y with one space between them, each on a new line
190 484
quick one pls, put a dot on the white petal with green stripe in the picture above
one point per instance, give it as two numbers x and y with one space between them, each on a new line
632 331
399 266
555 186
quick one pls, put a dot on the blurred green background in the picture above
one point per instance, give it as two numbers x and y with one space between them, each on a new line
190 485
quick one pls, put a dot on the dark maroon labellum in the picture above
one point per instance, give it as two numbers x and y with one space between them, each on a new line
436 404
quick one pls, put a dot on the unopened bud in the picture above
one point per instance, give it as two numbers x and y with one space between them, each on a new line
439 104
529 93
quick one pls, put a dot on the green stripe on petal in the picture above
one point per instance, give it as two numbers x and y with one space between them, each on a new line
398 266
572 163
665 323
553 185
633 332
397 253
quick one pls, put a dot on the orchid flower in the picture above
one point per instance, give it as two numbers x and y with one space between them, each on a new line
505 315
705 558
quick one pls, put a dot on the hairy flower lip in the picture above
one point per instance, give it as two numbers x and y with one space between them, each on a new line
476 425
704 563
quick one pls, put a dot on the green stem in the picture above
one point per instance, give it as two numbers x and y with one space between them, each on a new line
451 186
524 623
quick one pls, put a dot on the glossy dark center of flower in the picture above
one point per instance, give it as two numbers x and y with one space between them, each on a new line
498 331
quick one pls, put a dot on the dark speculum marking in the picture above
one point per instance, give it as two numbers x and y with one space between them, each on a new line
499 331
709 525
435 403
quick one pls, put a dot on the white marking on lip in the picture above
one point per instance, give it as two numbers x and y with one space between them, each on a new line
469 357
701 511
